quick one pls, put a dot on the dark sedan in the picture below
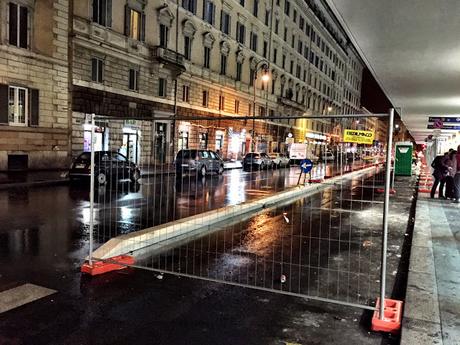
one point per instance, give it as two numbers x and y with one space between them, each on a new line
108 166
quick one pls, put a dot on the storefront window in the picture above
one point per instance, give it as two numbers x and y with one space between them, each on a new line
203 140
182 140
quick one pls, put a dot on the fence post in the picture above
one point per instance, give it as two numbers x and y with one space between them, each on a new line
385 214
91 196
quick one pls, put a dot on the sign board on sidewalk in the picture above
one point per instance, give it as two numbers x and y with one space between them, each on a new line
358 136
306 165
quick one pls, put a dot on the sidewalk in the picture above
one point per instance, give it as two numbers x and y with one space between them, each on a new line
432 308
32 178
56 177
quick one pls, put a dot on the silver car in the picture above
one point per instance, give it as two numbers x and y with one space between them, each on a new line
259 160
199 161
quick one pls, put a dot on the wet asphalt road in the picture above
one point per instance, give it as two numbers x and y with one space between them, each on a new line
43 239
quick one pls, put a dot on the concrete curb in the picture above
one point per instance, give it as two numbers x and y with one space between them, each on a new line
421 321
189 226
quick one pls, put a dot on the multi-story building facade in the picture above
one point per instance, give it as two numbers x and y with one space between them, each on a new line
137 59
34 103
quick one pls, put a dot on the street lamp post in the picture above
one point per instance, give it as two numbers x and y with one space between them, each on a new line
265 77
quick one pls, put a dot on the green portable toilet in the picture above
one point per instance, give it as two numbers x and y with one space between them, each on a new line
403 159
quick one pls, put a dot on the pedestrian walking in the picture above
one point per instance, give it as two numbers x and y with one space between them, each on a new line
439 174
457 176
451 163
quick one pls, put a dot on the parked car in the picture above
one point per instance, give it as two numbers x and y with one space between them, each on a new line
108 166
199 161
259 160
279 160
328 156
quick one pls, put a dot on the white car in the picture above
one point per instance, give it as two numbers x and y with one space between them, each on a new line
279 160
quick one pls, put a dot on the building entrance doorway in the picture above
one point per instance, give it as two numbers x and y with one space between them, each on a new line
160 142
129 148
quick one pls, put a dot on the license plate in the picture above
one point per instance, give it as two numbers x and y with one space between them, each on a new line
80 166
185 165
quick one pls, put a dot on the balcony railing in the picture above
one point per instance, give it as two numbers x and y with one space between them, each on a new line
169 57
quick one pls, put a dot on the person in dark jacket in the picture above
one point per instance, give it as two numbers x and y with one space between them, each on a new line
439 174
451 163
457 176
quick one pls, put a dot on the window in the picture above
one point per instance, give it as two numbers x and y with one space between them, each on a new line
237 106
204 144
298 71
277 25
307 30
240 33
273 86
223 64
239 68
207 57
283 65
135 24
261 111
164 33
134 79
293 41
291 69
255 11
17 105
287 7
275 55
265 51
189 5
253 41
300 47
267 17
97 67
285 34
205 98
295 15
185 93
187 47
301 23
162 87
251 77
221 102
102 12
18 25
209 10
242 3
225 23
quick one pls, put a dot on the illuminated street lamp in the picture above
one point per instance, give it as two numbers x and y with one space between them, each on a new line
261 65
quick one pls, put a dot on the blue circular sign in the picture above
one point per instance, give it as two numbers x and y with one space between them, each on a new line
306 165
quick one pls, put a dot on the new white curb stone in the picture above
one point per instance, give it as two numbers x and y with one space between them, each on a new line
129 243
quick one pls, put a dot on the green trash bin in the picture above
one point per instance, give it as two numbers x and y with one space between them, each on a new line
403 162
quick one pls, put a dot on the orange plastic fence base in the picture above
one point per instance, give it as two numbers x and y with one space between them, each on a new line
391 322
109 265
422 190
381 190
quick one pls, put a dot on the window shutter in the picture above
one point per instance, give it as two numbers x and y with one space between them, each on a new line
13 24
34 107
4 104
23 26
109 13
127 19
142 35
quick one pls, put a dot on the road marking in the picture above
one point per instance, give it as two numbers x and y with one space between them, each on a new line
21 295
